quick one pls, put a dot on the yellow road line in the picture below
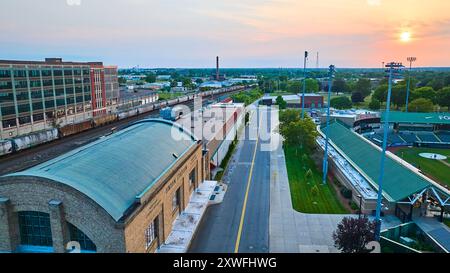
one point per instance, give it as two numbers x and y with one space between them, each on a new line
241 224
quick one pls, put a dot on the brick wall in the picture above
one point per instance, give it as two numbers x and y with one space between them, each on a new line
34 194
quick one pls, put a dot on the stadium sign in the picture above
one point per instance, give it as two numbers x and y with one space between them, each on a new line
444 117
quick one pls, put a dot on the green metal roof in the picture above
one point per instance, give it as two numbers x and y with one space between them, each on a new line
398 183
411 117
115 170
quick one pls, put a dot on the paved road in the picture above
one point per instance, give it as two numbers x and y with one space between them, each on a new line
223 222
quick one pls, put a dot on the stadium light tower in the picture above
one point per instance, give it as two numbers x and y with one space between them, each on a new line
394 72
304 84
410 60
325 156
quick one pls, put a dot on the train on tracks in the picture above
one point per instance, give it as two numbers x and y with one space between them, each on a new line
9 146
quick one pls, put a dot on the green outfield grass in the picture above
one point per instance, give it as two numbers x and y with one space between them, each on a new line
303 200
436 169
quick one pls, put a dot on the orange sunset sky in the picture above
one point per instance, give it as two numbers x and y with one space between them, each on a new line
245 33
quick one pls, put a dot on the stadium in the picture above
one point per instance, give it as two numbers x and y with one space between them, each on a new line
410 189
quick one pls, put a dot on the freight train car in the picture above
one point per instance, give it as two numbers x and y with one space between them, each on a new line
6 147
75 128
104 119
28 141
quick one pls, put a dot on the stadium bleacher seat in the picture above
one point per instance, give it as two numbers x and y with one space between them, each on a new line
408 137
395 139
427 137
444 136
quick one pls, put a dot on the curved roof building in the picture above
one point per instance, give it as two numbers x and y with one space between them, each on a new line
116 170
121 173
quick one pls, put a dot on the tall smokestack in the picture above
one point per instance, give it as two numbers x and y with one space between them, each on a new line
217 68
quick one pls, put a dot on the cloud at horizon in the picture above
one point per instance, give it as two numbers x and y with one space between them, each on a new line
245 33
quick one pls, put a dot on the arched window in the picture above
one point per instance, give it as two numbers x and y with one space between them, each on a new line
78 236
35 228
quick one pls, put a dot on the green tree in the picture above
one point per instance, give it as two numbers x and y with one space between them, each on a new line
363 86
308 176
424 92
398 95
374 104
380 93
342 102
300 133
312 86
281 102
294 87
287 116
421 105
443 97
122 80
340 86
357 97
436 83
150 78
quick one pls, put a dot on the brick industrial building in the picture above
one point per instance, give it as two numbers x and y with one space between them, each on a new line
312 100
120 193
41 95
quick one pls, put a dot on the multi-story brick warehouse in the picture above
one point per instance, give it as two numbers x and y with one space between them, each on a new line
42 95
120 193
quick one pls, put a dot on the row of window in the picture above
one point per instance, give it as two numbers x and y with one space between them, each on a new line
35 229
24 95
6 73
5 85
25 108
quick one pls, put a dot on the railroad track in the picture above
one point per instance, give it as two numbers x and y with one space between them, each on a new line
30 157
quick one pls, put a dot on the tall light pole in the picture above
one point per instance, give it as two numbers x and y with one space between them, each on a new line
410 60
331 71
304 84
394 70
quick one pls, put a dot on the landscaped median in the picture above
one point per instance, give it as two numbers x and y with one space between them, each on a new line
309 194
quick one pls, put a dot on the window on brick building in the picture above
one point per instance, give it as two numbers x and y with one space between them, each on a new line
78 236
176 200
151 233
34 228
192 177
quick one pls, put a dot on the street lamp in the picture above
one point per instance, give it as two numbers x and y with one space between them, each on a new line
304 84
410 60
360 206
331 71
394 71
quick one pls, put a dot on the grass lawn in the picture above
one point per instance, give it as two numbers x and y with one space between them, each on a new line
447 222
169 95
280 93
303 200
433 168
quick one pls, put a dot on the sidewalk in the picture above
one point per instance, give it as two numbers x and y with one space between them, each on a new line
187 222
294 232
437 230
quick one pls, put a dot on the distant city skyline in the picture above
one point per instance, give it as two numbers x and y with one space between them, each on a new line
244 33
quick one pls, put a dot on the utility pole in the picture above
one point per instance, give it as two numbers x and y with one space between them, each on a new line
394 71
325 156
304 84
410 60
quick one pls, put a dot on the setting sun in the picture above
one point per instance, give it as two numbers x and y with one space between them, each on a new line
405 36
